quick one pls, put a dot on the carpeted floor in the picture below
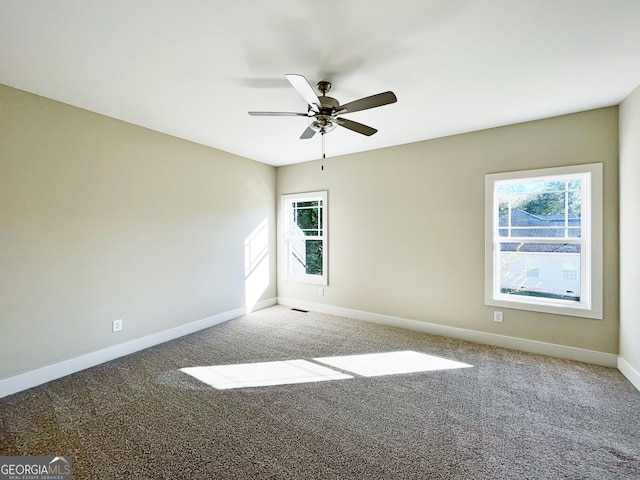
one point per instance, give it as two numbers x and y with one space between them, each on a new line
511 416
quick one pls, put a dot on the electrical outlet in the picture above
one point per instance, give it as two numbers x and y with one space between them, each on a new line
117 325
497 317
321 291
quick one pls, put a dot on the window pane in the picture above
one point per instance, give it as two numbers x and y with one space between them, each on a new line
538 232
540 209
575 184
540 270
570 270
307 219
543 204
540 247
533 268
314 257
555 186
574 209
314 203
526 187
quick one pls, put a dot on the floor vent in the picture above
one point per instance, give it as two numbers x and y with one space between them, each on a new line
300 310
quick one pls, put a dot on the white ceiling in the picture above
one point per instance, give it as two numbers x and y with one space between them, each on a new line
193 68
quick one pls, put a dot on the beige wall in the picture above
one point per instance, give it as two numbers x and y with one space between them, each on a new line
630 230
406 226
101 220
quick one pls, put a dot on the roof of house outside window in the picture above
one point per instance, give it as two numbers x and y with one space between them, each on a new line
551 226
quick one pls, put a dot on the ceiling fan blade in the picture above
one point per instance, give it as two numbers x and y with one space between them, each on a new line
356 127
304 89
308 133
368 102
278 114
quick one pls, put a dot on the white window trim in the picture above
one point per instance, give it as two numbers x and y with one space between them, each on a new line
593 265
306 278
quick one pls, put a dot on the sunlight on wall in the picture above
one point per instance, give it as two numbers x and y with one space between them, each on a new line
256 264
223 377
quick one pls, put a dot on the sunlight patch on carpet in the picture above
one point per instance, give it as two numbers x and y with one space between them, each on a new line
223 377
390 363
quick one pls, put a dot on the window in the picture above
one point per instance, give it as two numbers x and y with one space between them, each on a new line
570 270
544 240
533 268
305 237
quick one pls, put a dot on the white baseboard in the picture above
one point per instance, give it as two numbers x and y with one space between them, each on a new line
11 385
628 371
514 343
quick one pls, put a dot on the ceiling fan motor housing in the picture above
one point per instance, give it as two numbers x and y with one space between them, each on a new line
324 121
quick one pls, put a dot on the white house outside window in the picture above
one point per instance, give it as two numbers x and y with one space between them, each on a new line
305 237
544 240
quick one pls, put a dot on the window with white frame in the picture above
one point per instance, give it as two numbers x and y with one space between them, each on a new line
544 240
305 237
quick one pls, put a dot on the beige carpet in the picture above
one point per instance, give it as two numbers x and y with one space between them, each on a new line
511 415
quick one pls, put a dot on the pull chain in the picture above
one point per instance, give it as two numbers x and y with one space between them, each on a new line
323 156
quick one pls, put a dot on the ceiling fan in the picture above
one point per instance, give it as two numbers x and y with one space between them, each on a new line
323 111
